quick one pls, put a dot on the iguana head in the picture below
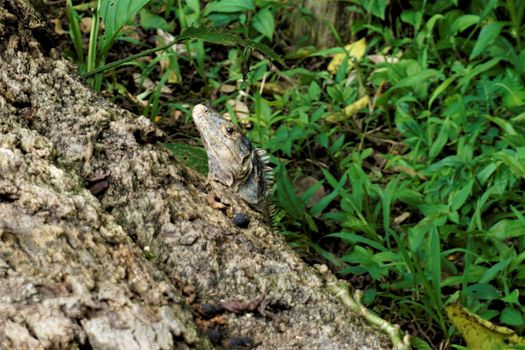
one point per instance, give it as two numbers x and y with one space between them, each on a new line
229 152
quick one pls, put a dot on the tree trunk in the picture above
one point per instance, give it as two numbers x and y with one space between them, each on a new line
313 20
108 242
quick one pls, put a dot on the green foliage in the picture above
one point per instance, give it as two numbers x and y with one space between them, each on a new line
115 14
444 218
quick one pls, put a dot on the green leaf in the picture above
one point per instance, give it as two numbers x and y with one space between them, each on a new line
434 264
487 35
494 271
506 229
416 79
229 6
376 7
502 123
482 291
411 17
433 209
429 26
440 141
150 20
512 297
511 316
458 198
419 344
353 238
114 14
461 23
314 91
440 89
326 200
74 30
287 195
464 82
264 23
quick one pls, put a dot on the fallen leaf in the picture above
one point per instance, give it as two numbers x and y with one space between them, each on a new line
241 110
85 25
355 50
357 105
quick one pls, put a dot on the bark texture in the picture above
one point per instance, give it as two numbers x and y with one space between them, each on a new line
311 21
146 263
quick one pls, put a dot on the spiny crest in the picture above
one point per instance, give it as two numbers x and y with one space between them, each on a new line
264 159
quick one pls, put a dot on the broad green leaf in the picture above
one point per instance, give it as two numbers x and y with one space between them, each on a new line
229 6
411 17
419 344
114 14
506 229
314 91
264 23
513 162
512 317
376 7
150 20
512 297
387 197
487 35
482 291
458 198
486 172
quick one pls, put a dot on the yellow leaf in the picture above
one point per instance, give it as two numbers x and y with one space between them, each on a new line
357 105
481 334
335 117
355 50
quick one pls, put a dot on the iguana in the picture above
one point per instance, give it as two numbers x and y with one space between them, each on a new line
233 161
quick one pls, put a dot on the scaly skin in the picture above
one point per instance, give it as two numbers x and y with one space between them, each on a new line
232 160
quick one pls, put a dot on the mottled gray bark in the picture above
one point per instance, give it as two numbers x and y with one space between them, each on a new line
147 263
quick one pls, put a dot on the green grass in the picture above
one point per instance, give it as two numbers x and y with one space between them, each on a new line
418 196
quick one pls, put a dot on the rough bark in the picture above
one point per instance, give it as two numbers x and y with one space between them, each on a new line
146 263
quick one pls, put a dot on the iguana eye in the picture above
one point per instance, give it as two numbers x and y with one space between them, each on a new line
229 130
